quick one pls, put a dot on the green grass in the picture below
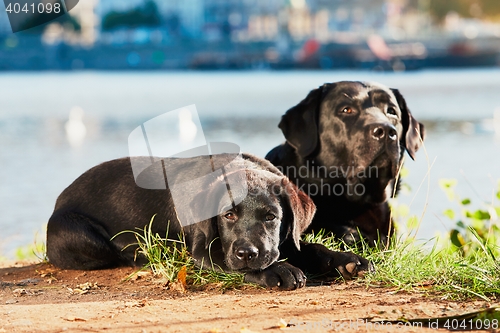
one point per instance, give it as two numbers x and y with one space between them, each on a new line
428 267
464 263
459 265
32 252
433 267
167 257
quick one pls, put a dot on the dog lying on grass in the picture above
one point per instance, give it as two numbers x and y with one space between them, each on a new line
246 219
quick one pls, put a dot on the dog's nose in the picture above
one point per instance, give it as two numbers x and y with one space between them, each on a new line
247 253
380 131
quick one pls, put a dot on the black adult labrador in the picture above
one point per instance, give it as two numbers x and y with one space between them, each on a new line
247 218
344 147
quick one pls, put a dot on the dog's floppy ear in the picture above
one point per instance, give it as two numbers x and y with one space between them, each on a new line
413 131
209 230
299 124
302 208
204 209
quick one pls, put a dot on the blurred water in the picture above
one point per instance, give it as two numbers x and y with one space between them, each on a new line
37 162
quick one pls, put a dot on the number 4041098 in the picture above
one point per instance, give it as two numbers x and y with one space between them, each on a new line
32 8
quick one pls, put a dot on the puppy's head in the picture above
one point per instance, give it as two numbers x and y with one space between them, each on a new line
358 131
253 224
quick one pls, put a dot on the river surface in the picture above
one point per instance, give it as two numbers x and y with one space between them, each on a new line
37 161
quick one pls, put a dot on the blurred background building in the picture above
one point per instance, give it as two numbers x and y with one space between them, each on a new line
218 34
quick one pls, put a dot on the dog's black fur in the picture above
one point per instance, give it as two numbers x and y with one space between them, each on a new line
248 237
348 139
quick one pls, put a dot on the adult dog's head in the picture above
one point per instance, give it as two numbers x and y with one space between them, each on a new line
254 222
353 133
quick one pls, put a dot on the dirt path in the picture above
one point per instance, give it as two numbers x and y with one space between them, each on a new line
41 298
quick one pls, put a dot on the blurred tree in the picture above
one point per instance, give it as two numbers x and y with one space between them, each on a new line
466 8
145 15
491 8
440 8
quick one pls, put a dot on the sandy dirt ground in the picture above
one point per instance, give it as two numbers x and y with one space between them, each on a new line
41 298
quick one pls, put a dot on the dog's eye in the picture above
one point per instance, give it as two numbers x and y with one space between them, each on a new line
347 110
230 216
270 217
392 111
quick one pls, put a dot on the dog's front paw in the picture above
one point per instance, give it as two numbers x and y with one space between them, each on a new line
280 274
347 265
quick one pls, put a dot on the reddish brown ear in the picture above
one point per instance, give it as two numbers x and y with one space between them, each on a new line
302 208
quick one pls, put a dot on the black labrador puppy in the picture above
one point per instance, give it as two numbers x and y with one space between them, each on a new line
344 147
243 220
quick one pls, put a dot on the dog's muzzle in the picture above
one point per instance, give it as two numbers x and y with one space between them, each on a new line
383 132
